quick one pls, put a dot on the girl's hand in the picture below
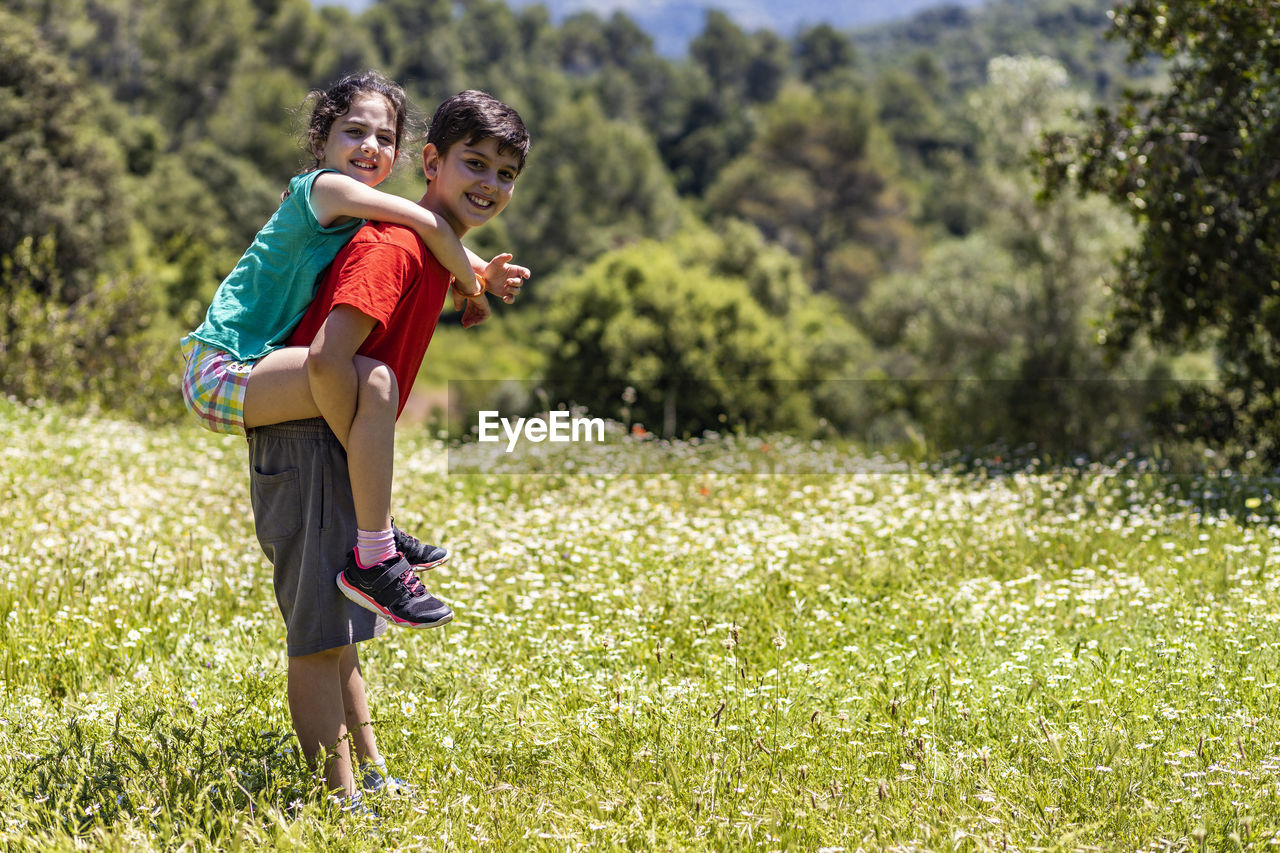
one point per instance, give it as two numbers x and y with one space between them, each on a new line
504 279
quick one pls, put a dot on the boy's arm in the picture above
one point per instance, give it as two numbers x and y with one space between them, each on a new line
331 366
334 196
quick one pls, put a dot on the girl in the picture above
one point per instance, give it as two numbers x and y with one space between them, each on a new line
239 375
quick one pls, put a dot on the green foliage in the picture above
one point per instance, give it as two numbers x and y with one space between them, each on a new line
1195 165
963 40
74 324
821 53
60 173
592 183
741 66
710 332
114 347
819 179
996 336
172 127
417 40
260 125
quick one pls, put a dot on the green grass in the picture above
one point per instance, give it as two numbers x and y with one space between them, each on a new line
891 657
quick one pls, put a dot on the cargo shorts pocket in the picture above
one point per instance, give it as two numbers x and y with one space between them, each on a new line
277 503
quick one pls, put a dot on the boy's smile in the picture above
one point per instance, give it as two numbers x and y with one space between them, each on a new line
471 184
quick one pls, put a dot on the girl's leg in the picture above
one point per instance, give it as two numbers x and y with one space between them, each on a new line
279 390
370 447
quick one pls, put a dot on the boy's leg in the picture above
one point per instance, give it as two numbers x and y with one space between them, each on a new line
355 702
316 706
301 497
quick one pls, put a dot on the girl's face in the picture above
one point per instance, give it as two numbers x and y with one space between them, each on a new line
362 141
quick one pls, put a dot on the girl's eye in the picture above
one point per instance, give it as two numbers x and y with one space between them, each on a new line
507 176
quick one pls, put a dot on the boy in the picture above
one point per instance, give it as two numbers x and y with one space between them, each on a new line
381 298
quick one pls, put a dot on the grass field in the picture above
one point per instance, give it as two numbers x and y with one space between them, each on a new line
894 657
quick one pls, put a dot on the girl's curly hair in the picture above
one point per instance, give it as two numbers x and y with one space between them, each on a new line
331 103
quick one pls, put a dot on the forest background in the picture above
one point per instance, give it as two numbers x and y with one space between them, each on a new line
831 233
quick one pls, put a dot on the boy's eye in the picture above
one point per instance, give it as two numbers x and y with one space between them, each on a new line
507 175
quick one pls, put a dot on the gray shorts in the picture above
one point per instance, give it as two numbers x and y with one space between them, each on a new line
306 525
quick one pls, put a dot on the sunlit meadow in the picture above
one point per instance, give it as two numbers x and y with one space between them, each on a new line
892 657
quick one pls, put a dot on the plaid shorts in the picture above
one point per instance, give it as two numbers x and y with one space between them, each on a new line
213 386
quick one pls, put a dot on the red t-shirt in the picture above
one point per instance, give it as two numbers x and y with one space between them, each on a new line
387 273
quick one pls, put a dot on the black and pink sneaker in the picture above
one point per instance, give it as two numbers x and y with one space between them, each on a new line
392 590
420 555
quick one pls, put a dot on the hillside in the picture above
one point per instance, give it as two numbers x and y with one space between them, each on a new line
674 23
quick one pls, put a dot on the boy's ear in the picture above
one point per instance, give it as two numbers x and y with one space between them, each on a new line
430 161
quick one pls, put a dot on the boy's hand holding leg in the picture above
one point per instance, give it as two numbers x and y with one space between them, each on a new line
476 311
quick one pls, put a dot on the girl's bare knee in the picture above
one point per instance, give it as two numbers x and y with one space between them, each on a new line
378 386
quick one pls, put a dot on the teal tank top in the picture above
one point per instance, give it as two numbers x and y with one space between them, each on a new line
258 304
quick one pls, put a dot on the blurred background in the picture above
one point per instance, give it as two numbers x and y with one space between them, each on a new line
930 227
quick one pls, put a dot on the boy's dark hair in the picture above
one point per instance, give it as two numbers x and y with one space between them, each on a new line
471 116
335 101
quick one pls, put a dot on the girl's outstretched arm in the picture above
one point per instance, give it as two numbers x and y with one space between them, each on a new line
334 196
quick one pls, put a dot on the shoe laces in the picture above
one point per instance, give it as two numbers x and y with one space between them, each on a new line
412 584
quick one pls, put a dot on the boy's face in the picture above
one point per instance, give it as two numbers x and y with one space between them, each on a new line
471 184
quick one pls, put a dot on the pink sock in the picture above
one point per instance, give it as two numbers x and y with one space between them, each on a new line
374 546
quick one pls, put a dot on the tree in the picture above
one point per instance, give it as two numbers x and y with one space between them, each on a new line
187 56
741 66
711 331
592 184
724 52
709 133
820 179
77 324
60 173
419 41
821 51
1196 167
503 60
1008 315
588 44
312 46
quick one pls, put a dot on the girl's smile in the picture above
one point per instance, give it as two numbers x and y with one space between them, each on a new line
362 142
